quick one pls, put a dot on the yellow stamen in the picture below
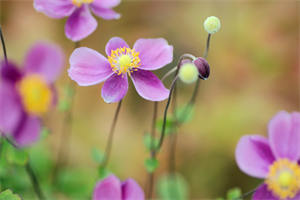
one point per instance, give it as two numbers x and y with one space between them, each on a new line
124 60
284 179
78 3
35 94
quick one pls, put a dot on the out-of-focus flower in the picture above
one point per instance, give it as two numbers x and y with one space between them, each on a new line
212 24
27 94
188 73
80 23
88 67
274 159
112 188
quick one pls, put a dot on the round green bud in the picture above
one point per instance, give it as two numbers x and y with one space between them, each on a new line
212 24
188 73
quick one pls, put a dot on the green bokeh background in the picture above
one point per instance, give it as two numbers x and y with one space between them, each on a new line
254 74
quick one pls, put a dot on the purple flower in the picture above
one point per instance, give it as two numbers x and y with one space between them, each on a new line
26 94
89 67
80 23
274 159
112 188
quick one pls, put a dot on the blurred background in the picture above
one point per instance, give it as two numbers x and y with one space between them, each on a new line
254 74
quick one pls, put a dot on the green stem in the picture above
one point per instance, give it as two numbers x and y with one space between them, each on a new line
34 181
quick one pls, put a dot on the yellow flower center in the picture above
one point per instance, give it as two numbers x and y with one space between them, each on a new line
35 94
78 3
284 179
124 60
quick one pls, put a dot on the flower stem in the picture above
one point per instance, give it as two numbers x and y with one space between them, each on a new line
34 181
3 45
243 196
110 137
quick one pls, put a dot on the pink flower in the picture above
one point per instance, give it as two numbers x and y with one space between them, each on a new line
88 67
80 23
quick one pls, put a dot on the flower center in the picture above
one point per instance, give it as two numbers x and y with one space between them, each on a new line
78 3
35 94
124 60
284 179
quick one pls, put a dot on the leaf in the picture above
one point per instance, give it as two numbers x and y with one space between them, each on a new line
8 195
151 164
103 172
16 156
234 193
148 142
172 187
97 155
170 125
184 114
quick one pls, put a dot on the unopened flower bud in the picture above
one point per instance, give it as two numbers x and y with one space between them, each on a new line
212 24
203 68
188 73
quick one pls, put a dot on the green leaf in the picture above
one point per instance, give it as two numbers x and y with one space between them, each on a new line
170 125
97 155
8 195
16 156
148 142
151 164
184 114
234 193
172 187
103 172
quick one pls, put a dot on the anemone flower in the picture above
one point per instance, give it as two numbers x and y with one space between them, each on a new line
112 188
274 159
80 22
88 67
28 93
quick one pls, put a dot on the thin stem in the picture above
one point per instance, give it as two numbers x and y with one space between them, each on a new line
3 45
243 196
207 46
34 181
111 135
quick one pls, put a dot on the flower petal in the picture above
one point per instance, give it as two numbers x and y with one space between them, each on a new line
154 53
105 13
54 8
114 88
108 188
149 86
88 67
254 156
132 190
28 130
10 108
80 24
46 60
10 72
263 193
115 43
284 135
106 3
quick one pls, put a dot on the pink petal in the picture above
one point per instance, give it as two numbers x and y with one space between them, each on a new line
106 3
154 53
115 43
262 193
108 188
284 134
28 131
10 108
131 190
105 13
80 24
88 67
114 88
149 86
46 60
254 156
54 8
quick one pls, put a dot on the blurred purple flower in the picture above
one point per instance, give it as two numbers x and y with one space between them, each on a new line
112 188
274 159
80 23
88 67
26 94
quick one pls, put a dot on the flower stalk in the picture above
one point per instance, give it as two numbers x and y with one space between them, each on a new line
3 44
